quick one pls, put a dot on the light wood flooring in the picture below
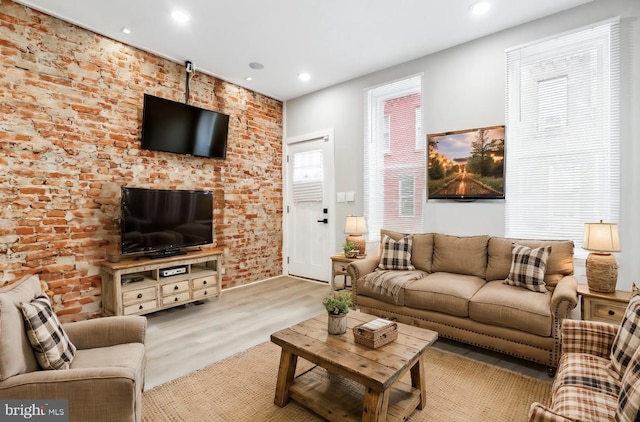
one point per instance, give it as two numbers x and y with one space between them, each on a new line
184 339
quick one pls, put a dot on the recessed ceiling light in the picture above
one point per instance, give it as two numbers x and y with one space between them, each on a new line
180 15
304 76
256 65
126 30
248 78
480 7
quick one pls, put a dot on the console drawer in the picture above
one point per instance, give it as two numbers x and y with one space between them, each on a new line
141 307
138 295
202 282
340 268
204 293
172 288
604 310
177 298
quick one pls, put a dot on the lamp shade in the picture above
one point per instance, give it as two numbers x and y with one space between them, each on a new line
355 225
601 237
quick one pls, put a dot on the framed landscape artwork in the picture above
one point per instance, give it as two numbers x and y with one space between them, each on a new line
466 164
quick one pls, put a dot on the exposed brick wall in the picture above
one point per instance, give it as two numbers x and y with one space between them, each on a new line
70 125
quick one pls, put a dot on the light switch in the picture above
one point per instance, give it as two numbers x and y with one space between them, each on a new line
342 197
351 196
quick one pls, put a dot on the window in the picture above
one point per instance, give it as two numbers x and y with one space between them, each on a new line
563 146
553 97
394 178
406 196
307 176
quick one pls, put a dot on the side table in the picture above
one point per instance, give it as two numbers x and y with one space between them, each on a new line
339 267
605 307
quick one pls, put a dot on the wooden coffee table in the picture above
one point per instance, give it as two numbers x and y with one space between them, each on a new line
350 381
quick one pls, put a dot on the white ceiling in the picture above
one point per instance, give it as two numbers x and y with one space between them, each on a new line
332 40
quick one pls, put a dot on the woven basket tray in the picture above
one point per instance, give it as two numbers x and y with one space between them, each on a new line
375 338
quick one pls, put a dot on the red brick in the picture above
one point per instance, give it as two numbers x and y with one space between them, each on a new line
54 222
24 230
68 311
27 247
56 214
32 190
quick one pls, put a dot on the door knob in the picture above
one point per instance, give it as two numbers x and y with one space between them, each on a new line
324 220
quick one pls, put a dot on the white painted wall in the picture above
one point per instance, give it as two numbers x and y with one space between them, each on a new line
464 88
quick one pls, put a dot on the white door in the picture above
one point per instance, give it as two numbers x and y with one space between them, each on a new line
309 213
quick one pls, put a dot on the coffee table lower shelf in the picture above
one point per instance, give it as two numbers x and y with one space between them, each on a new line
337 398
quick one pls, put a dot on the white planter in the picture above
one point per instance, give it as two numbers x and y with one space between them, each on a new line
337 324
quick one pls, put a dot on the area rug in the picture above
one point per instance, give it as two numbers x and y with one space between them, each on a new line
241 388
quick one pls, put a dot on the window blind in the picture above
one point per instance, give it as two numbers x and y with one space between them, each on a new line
562 141
394 158
307 176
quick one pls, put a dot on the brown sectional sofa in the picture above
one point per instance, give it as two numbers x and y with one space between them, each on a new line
457 290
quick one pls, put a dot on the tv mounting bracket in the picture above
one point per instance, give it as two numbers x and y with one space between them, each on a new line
190 68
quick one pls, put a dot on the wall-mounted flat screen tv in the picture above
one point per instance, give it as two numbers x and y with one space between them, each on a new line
466 164
162 222
180 128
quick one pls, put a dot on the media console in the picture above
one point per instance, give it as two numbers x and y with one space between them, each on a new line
137 286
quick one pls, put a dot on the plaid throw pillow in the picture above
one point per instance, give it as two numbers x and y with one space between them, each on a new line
50 343
627 339
629 398
528 266
396 254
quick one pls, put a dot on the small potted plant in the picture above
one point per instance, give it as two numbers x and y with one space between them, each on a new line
337 306
349 249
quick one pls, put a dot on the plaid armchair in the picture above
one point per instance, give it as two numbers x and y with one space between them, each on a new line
586 387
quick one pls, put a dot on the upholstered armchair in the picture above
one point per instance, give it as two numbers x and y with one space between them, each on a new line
102 381
598 378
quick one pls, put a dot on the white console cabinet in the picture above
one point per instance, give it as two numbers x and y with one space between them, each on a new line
137 285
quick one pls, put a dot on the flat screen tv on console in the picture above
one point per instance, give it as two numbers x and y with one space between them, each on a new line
162 222
183 129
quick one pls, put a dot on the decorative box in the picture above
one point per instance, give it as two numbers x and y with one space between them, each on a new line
375 333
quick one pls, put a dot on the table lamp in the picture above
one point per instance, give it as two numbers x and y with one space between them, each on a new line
354 226
602 268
